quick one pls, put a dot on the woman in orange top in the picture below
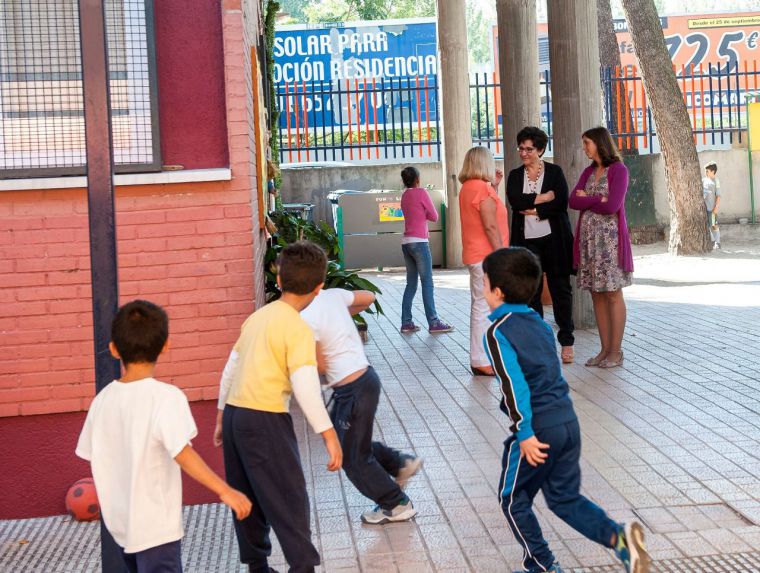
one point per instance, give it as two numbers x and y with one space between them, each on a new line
484 229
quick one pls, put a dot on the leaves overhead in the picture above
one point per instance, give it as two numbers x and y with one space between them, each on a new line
314 11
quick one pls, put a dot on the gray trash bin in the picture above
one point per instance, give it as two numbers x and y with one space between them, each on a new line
370 226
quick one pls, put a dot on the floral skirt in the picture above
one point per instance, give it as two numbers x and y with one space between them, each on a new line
599 269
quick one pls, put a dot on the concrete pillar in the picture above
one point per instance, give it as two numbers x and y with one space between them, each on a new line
454 101
576 101
518 71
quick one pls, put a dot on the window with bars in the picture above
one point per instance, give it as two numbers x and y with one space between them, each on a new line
41 96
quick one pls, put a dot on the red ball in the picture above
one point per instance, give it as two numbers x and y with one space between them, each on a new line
82 501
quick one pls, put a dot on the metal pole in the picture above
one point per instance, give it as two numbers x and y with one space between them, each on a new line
750 98
100 200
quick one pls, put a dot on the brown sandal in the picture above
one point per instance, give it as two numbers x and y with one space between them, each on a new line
595 360
568 355
606 363
482 372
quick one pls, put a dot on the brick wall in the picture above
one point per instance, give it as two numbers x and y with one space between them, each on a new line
195 249
188 248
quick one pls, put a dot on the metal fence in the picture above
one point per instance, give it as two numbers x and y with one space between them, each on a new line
714 98
485 108
360 121
41 97
366 121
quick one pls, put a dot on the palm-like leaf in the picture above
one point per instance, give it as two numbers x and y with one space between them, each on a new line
291 228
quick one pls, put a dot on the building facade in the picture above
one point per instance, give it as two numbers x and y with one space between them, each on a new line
188 130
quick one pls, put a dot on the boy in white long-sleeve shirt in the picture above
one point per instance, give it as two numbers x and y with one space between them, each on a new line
274 357
376 470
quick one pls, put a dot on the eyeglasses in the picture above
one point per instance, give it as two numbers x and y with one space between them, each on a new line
525 150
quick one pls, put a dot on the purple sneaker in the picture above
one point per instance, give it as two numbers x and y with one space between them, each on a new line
438 326
409 328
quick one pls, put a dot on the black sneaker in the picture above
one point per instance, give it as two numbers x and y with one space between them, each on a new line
437 326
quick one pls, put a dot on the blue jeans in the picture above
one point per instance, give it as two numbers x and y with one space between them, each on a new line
419 262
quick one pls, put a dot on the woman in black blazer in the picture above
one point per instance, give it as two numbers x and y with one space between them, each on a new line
537 192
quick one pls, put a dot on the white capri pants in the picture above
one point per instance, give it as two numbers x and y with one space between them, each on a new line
479 312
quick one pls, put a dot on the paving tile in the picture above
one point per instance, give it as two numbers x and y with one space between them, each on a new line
660 547
488 564
691 544
406 566
725 541
340 565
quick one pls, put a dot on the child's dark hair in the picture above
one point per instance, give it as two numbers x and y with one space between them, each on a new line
410 176
301 267
139 331
712 166
516 271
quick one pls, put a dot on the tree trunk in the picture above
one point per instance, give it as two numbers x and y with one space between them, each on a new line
455 107
688 223
609 58
518 70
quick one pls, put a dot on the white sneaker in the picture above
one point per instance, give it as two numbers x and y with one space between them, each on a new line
412 464
630 548
378 516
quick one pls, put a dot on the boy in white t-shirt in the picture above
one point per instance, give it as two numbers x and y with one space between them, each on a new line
137 437
371 466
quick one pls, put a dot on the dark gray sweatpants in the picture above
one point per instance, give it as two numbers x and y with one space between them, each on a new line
261 459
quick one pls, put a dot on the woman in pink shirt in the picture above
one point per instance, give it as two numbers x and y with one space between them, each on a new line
418 209
484 229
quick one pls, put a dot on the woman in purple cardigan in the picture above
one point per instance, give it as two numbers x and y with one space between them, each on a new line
602 249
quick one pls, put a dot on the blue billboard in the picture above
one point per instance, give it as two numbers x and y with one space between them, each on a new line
365 72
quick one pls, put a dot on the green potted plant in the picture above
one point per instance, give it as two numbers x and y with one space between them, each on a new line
292 228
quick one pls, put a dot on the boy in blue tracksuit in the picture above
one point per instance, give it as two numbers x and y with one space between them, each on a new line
544 450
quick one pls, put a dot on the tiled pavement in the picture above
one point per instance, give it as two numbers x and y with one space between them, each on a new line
672 439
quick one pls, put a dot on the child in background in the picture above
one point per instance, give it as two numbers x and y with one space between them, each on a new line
543 452
418 209
137 437
711 192
273 358
371 466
